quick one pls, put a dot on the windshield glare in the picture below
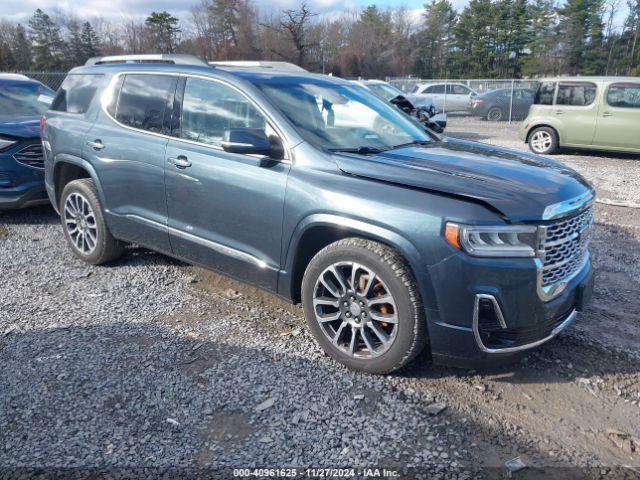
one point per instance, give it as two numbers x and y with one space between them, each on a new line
340 117
24 99
387 92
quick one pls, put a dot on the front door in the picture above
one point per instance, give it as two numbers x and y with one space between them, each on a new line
576 109
225 209
619 117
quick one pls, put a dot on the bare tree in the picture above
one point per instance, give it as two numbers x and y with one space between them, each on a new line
294 25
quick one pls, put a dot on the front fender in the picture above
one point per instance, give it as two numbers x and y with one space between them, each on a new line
357 228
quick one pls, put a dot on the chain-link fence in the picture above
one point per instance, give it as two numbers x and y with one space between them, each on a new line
494 100
52 80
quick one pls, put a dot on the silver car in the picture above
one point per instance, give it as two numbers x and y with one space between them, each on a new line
446 97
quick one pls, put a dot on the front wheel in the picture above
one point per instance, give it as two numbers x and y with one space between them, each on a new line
543 141
362 305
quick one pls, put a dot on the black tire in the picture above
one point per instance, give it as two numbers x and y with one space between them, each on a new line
390 267
549 146
494 114
105 248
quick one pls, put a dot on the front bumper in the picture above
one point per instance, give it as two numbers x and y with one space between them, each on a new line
20 185
462 335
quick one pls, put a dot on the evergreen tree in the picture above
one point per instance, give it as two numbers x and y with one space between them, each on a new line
74 51
21 49
435 40
89 40
164 29
48 46
581 29
543 52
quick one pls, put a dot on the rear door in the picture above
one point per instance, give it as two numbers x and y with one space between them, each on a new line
225 209
458 98
127 147
619 117
576 109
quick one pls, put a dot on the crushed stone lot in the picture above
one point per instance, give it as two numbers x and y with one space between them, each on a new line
149 365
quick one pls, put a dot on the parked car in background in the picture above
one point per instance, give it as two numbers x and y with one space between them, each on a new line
391 237
22 102
445 97
426 113
498 105
598 113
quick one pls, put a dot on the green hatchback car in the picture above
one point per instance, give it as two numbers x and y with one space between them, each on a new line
598 113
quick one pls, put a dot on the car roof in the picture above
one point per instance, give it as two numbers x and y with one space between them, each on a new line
589 79
248 73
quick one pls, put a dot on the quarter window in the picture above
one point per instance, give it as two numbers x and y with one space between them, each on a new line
577 94
75 93
624 95
544 95
143 101
209 108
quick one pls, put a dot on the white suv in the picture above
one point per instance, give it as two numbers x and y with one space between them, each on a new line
446 97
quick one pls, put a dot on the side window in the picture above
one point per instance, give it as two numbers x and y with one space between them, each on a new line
544 95
209 108
457 90
577 94
143 101
624 95
435 89
76 92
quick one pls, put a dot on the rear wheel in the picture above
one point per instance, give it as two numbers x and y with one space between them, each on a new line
84 225
494 114
362 305
543 141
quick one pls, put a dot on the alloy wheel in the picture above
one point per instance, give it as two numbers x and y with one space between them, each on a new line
80 223
355 309
541 141
494 115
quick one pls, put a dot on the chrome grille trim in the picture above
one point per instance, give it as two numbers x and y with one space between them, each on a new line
31 156
563 251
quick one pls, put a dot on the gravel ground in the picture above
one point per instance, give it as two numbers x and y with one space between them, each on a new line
150 367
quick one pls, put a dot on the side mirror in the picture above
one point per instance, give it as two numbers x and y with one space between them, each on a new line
252 141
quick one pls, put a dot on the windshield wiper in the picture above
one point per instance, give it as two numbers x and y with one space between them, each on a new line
359 150
411 144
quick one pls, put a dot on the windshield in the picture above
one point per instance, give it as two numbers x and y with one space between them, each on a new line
342 117
384 91
24 99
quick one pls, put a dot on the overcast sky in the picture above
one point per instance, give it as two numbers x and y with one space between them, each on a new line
20 10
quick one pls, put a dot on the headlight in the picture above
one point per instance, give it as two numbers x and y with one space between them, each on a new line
6 143
493 241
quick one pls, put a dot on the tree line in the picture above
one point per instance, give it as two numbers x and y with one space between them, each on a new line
486 39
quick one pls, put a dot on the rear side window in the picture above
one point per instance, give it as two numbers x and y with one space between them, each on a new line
624 95
143 101
577 94
544 95
76 93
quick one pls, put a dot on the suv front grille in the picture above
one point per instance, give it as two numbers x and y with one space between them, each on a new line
31 155
564 247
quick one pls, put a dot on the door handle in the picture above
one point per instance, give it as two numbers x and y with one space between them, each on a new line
559 112
607 114
180 161
96 144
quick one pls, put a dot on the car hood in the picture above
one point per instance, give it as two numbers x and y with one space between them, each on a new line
23 127
517 184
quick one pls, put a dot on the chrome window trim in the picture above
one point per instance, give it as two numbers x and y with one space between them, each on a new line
476 331
108 92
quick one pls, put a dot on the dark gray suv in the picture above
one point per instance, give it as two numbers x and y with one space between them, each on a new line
391 237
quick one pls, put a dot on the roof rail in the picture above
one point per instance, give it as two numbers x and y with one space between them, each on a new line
282 66
174 58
